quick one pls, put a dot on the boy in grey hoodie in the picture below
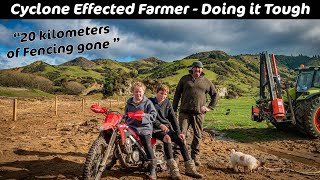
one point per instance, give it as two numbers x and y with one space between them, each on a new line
143 127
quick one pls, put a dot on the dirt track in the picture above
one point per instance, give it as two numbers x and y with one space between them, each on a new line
40 145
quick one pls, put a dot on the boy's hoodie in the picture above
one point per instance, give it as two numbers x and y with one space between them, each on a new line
145 126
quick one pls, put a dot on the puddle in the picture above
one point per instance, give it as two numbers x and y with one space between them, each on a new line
218 135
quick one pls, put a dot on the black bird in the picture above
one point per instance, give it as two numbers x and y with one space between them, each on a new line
228 111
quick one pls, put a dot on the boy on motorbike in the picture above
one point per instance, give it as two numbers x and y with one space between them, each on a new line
144 126
170 132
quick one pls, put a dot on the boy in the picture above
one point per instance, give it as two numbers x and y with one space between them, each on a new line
166 129
143 127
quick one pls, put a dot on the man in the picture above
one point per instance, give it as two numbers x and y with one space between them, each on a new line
192 90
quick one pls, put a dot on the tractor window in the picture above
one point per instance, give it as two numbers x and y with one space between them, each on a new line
316 82
304 81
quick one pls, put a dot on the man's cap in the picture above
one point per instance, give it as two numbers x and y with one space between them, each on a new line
197 64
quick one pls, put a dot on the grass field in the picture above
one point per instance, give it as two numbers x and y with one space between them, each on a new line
238 124
20 92
239 116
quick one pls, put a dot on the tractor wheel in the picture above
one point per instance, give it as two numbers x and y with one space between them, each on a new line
308 117
299 112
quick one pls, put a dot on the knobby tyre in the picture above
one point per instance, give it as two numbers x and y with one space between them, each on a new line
308 117
94 158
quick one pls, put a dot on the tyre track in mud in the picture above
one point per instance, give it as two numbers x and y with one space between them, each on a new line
303 157
311 159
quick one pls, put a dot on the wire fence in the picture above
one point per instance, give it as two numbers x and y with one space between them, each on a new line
11 109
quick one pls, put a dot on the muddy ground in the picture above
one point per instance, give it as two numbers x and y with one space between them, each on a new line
41 145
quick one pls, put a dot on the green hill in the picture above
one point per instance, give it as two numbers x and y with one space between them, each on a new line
104 65
239 74
219 55
80 61
143 66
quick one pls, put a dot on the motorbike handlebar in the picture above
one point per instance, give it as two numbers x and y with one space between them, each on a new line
138 115
110 111
104 110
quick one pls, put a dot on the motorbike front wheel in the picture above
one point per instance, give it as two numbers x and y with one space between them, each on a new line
95 157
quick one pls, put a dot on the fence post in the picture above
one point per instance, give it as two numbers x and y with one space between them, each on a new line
15 104
56 105
110 103
82 104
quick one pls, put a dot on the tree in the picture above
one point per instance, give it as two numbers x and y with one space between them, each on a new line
109 84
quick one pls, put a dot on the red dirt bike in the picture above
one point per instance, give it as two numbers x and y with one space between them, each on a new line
117 141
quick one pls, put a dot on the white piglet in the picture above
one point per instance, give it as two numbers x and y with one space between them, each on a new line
248 162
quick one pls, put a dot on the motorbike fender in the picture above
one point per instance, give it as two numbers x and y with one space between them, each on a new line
106 126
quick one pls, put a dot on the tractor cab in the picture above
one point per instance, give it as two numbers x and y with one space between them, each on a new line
307 78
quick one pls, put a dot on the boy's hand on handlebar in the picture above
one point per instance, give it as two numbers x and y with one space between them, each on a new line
164 128
138 115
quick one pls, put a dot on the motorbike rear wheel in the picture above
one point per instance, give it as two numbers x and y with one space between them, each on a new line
95 157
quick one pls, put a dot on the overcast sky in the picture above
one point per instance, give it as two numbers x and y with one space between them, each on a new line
165 39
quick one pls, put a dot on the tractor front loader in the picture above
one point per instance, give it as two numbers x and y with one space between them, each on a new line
297 107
